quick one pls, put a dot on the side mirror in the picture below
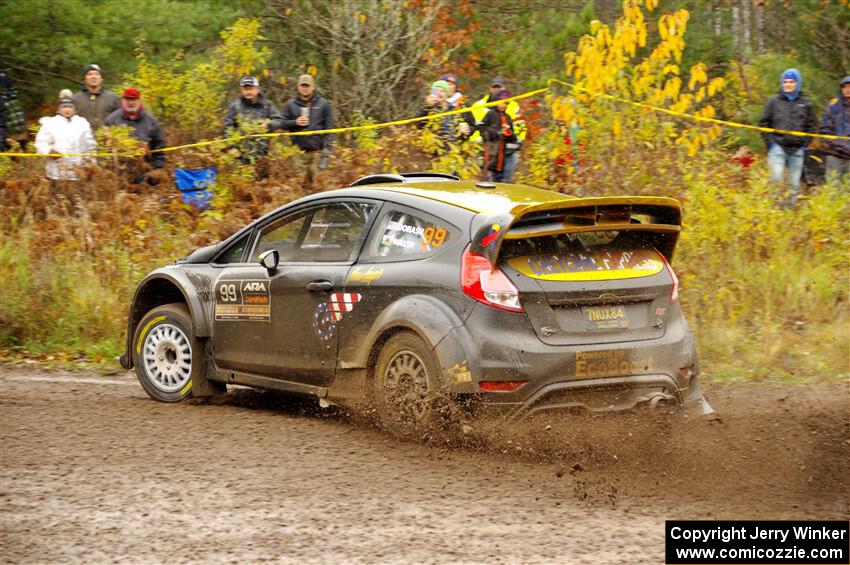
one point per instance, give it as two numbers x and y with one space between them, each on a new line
270 259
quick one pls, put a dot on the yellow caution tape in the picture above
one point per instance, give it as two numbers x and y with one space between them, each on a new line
696 118
407 121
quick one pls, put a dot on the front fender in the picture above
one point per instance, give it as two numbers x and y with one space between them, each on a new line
168 285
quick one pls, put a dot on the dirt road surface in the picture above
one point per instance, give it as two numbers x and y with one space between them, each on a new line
93 471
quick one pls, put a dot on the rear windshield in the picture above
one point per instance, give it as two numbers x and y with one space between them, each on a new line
584 256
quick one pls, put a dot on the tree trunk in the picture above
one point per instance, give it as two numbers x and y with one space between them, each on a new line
717 15
746 9
736 26
759 25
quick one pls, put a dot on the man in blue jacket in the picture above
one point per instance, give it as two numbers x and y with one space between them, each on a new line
789 110
836 121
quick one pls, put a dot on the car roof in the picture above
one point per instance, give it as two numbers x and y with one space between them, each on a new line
475 196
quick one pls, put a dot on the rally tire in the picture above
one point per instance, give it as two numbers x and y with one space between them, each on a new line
167 356
407 393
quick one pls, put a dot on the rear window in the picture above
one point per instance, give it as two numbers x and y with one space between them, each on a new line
403 234
597 255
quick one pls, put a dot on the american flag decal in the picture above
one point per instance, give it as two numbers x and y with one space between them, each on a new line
342 302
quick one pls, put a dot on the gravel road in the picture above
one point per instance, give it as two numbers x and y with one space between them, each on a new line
93 471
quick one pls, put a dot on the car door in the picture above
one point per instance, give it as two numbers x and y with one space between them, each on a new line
282 324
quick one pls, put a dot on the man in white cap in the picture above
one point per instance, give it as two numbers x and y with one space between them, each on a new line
252 108
307 111
64 134
93 102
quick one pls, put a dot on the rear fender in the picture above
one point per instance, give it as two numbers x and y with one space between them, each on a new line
428 317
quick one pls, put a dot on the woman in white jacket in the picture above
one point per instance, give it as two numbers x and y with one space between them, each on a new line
64 134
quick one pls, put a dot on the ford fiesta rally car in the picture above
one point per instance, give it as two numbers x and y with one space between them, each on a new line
402 289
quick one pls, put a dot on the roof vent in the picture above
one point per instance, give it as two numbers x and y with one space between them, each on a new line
403 178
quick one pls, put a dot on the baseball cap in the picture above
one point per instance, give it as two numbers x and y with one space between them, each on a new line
92 67
131 93
249 80
498 81
450 77
306 79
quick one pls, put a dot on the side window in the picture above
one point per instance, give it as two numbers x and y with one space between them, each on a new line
403 235
329 233
235 252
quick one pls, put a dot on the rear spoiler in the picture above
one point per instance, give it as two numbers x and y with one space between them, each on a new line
660 217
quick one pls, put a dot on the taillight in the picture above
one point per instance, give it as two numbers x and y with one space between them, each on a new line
500 386
486 284
674 294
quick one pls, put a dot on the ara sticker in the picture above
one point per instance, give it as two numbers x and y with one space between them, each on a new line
237 300
366 277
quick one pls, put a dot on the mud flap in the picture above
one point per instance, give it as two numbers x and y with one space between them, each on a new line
202 384
696 403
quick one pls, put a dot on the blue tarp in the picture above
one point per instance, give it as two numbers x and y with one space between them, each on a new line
194 184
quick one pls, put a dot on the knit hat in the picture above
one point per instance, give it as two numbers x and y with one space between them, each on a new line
131 93
452 78
502 94
306 79
498 81
793 74
66 102
441 84
249 80
92 67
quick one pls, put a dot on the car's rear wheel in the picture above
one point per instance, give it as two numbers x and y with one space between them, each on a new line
167 355
407 393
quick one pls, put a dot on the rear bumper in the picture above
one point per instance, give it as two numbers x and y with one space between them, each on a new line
615 394
603 377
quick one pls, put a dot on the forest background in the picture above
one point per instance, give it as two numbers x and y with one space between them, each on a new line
766 289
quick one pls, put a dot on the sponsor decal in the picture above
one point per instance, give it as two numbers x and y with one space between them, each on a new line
391 241
459 373
596 265
327 314
611 363
398 226
366 277
323 322
342 302
491 237
241 300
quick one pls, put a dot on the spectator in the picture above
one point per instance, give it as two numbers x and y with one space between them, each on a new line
252 108
93 102
501 143
308 111
789 110
836 121
4 113
456 99
449 129
15 127
147 130
479 110
64 133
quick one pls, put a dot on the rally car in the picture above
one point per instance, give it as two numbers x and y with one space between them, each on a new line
404 289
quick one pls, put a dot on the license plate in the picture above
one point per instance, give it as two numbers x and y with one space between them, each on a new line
605 317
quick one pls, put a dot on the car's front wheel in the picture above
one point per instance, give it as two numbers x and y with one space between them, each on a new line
167 355
407 394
